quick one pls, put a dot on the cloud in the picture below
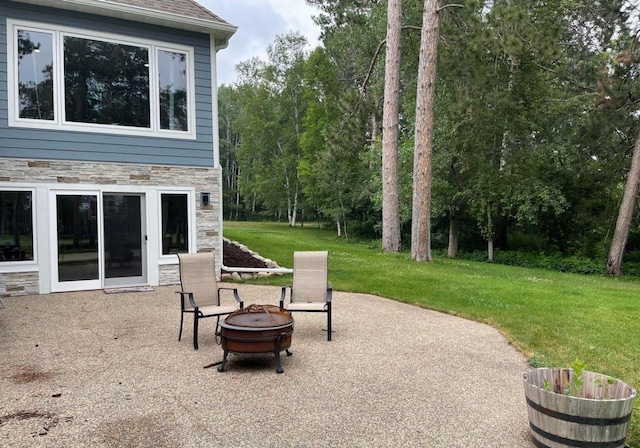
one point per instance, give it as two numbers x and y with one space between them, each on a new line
259 21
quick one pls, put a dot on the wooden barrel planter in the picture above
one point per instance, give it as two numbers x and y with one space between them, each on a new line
597 418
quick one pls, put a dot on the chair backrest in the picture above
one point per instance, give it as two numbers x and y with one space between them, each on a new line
198 275
310 276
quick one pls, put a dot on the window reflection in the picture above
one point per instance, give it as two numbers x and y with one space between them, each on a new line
16 226
175 238
172 71
35 75
106 83
77 237
122 236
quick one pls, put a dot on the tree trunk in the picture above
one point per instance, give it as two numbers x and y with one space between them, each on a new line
490 249
390 131
292 202
374 139
452 250
237 188
489 234
499 237
507 140
614 262
294 213
344 228
421 213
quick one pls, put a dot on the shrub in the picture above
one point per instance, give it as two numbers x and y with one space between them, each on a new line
553 262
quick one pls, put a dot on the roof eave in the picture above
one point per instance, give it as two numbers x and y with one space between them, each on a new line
222 32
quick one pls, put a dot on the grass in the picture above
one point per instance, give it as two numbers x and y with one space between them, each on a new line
551 317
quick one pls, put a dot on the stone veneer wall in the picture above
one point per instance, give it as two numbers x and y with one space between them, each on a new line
170 274
103 174
19 284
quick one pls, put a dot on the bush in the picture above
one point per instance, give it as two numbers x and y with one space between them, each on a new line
554 262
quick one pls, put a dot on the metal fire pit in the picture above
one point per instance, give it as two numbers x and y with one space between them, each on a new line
256 329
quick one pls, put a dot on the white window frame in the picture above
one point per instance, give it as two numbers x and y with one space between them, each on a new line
10 266
59 122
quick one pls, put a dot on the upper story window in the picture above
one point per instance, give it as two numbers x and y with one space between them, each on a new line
63 78
106 83
35 75
173 87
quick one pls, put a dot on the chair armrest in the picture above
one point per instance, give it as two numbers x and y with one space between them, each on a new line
283 294
190 295
235 295
329 293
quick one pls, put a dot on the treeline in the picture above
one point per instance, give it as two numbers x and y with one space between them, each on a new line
535 120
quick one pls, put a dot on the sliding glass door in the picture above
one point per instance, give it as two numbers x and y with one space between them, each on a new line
99 240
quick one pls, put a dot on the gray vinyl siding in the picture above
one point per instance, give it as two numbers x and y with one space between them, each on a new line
29 143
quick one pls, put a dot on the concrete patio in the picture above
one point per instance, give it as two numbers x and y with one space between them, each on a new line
106 370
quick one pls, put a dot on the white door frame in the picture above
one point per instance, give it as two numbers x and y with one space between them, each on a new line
101 281
56 284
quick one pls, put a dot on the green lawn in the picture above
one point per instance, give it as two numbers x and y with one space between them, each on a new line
553 318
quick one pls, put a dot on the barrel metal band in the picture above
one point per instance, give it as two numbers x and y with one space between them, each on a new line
577 418
569 442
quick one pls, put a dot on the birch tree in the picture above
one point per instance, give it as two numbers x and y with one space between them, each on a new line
229 146
271 110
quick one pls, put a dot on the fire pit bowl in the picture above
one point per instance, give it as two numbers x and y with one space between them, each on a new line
256 329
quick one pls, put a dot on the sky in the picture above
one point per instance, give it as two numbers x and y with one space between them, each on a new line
258 22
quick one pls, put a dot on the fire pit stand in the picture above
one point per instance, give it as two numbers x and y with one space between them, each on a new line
256 329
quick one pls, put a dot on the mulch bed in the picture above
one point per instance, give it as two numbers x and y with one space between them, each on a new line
234 257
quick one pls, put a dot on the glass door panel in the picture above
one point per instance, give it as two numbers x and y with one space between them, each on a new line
123 236
77 238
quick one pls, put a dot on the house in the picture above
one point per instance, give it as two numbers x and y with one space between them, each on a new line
108 141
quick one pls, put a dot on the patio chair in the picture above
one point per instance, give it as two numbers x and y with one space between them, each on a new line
310 290
200 294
